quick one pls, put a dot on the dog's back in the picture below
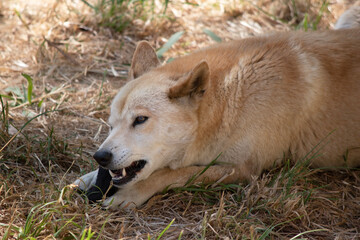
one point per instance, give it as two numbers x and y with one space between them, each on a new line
285 92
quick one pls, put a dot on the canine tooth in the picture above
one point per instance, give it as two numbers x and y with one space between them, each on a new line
112 174
123 172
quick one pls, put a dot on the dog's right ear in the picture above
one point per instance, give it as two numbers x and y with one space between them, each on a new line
193 83
144 60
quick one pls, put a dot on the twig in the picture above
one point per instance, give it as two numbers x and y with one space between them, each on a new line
67 56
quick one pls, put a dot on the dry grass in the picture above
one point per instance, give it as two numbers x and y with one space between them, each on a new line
77 68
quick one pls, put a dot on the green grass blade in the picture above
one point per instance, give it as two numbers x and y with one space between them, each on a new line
24 95
6 96
63 226
30 86
193 178
7 232
103 227
83 234
3 112
88 4
212 35
166 3
180 235
269 229
21 19
266 233
167 227
172 40
323 8
306 23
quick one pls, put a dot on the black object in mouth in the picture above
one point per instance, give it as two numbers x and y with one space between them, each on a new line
97 191
124 175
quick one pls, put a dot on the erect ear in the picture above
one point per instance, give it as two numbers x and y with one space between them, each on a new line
144 60
194 83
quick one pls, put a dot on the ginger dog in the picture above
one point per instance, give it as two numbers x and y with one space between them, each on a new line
254 101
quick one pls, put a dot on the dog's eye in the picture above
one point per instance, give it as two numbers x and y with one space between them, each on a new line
139 120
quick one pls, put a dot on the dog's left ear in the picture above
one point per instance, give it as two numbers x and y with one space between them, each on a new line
193 83
144 60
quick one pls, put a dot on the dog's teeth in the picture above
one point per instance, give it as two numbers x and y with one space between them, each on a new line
112 174
124 172
118 178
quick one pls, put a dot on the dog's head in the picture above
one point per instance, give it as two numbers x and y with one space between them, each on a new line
153 118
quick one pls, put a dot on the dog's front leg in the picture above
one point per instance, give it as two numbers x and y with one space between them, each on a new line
140 192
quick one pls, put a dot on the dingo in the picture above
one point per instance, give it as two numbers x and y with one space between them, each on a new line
254 100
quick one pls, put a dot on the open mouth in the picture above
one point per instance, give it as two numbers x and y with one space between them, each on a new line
124 175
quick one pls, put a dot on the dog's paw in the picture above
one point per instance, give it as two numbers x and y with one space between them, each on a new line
127 198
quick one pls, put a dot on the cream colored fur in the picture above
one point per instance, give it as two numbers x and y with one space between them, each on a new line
254 101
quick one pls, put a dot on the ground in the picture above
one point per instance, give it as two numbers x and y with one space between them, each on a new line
75 63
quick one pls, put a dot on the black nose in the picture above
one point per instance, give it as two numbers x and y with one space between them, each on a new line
103 157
